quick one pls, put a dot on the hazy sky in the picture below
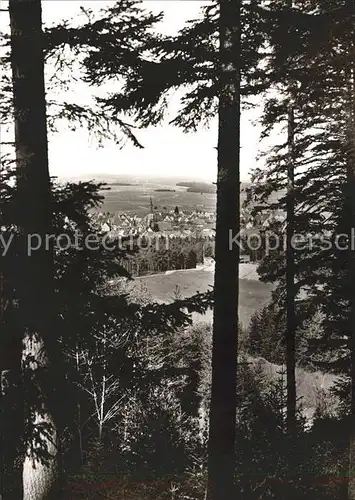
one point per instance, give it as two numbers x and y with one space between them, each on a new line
167 150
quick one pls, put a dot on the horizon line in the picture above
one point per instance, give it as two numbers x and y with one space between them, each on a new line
92 176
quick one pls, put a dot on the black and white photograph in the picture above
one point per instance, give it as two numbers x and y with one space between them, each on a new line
177 250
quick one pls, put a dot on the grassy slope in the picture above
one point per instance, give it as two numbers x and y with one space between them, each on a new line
253 294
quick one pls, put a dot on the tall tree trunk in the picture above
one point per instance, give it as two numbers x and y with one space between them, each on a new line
351 482
41 465
222 426
290 273
350 76
35 283
290 283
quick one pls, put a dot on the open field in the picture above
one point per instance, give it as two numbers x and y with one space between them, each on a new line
136 199
132 193
135 196
253 293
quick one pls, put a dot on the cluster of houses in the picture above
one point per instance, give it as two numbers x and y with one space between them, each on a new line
177 223
166 223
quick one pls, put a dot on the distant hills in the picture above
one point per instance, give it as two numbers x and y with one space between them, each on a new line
130 179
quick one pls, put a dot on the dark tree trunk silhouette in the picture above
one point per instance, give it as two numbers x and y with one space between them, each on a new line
290 282
222 428
290 272
35 271
351 190
350 214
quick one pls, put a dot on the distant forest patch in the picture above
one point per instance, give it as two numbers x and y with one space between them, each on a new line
198 187
121 184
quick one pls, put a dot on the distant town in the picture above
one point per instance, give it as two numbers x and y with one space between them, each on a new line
174 223
166 222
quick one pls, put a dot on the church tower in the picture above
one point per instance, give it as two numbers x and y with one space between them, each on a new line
152 217
151 206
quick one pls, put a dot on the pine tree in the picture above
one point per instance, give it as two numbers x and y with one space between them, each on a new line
36 292
122 32
320 172
290 272
325 179
221 446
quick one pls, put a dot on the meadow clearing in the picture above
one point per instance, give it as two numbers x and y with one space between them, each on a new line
253 293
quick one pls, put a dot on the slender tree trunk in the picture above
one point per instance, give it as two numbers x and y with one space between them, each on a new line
290 274
78 412
351 482
102 407
35 283
222 426
290 282
351 190
350 74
